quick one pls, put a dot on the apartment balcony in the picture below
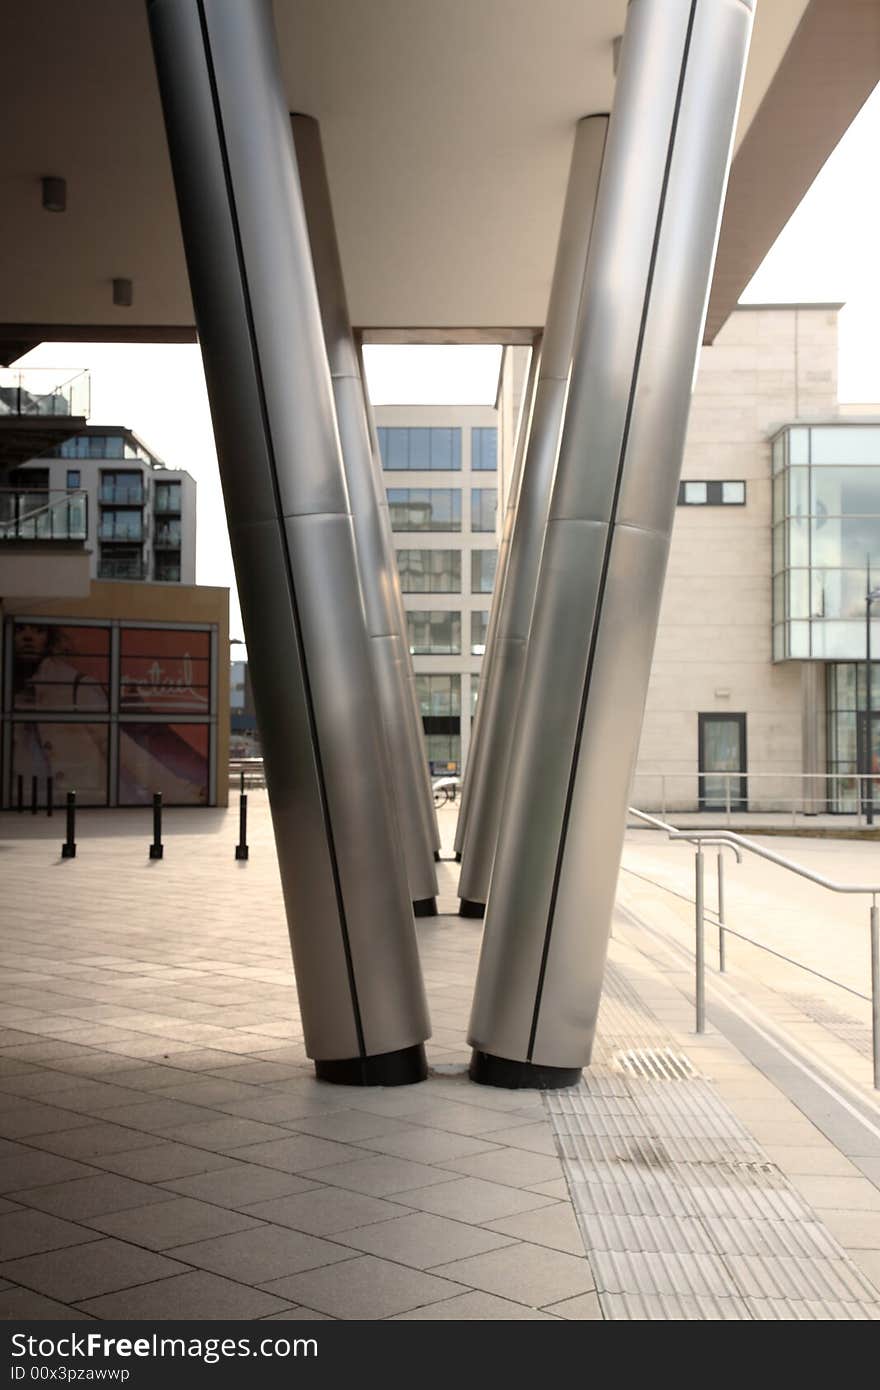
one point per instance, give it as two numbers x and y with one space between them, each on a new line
168 536
122 567
42 544
122 494
41 515
40 407
130 528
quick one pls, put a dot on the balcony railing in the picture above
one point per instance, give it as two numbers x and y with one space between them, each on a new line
122 529
167 536
44 391
43 515
122 494
121 567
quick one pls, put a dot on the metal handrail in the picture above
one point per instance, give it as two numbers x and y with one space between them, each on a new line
729 838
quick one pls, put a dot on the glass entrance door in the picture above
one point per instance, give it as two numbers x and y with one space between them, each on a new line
722 765
869 758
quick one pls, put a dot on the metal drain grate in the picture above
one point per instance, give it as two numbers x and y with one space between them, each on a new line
655 1064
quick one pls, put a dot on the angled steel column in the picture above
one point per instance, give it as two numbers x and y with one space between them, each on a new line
377 564
607 540
500 695
342 871
523 428
415 726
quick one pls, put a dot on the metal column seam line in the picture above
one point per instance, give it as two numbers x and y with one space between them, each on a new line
264 412
557 873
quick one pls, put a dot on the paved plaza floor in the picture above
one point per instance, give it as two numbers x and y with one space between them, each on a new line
165 1151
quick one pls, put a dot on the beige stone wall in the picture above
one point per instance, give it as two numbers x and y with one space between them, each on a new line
767 368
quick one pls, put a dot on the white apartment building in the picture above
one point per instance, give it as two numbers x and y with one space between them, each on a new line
758 691
104 486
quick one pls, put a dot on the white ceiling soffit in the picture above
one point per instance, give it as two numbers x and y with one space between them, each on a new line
447 127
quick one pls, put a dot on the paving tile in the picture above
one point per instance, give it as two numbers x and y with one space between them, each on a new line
160 1162
32 1169
297 1314
260 1254
274 1109
868 1262
349 1126
197 1295
83 1271
84 1197
427 1145
855 1230
172 1222
325 1210
475 1307
239 1186
296 1153
22 1305
422 1240
380 1176
27 1232
531 1274
472 1199
364 1288
225 1133
554 1226
92 1140
30 1119
584 1308
824 1161
838 1194
514 1167
538 1137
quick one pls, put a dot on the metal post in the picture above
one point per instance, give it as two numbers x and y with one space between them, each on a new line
722 961
68 849
501 683
50 793
869 741
252 278
157 849
20 794
607 539
875 990
726 776
376 558
241 849
241 782
34 796
699 941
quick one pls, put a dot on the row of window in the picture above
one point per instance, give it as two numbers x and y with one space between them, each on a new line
711 494
439 571
127 490
436 448
439 508
437 632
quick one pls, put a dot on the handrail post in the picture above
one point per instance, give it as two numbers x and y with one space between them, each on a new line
700 943
875 990
721 941
727 795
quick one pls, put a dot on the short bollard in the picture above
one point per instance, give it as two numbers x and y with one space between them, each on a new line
241 849
50 792
241 783
20 795
157 849
68 849
34 796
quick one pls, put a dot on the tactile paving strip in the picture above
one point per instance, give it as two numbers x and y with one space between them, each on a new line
682 1213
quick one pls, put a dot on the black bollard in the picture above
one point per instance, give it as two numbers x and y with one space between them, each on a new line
33 796
68 849
157 850
241 849
50 792
241 786
20 802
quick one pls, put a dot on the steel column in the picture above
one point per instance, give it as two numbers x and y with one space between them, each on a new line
500 692
377 563
607 539
349 914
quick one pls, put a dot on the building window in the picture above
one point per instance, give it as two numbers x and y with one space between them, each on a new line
167 498
484 503
484 449
121 526
425 508
430 571
444 753
167 569
475 692
168 534
432 449
439 696
723 494
434 632
826 533
479 629
121 562
851 752
74 479
483 565
122 489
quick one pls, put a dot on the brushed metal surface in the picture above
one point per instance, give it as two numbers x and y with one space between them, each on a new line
591 640
514 600
346 895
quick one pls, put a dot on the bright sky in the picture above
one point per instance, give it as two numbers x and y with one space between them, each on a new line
827 252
